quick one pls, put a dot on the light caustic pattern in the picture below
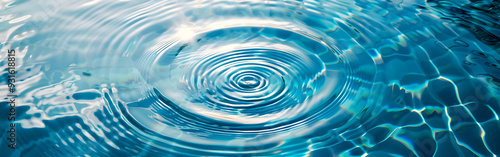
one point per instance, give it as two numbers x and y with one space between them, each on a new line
253 78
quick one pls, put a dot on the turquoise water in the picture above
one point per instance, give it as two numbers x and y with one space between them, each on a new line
251 78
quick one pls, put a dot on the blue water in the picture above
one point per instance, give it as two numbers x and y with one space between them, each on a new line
252 77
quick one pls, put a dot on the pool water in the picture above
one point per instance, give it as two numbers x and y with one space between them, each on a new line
251 78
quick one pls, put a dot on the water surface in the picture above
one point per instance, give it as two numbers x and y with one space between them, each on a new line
252 78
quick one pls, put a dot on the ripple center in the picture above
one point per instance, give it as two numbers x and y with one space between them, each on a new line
248 82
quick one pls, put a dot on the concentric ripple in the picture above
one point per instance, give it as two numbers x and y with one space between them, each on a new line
250 81
253 77
244 83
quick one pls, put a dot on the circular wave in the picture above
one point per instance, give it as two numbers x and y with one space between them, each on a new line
250 81
253 83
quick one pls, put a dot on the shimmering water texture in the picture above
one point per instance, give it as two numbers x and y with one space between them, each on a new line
253 78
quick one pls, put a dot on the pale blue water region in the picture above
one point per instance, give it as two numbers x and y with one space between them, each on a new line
252 77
